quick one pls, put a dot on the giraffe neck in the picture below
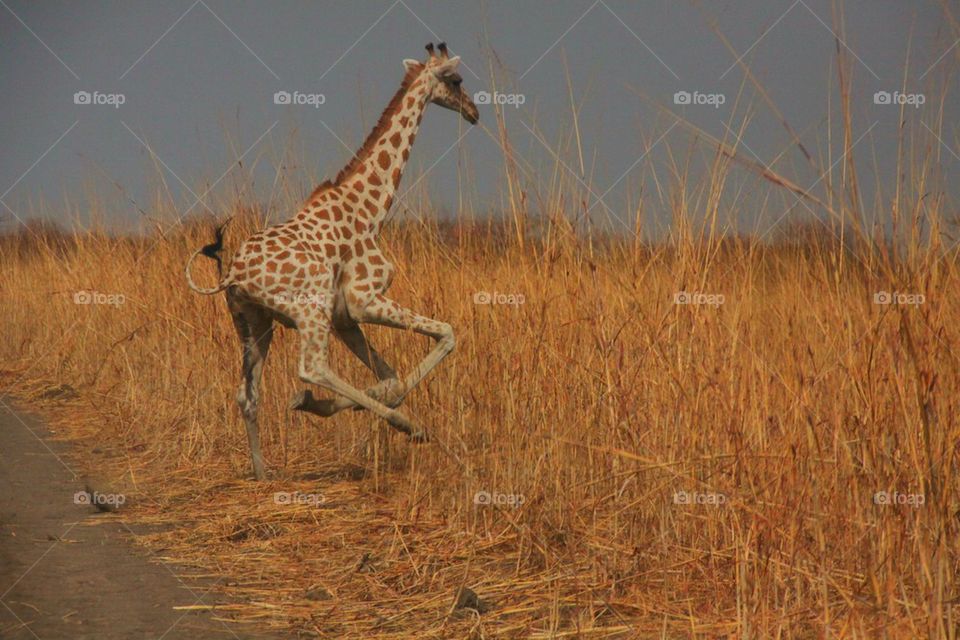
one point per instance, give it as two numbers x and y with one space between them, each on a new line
374 173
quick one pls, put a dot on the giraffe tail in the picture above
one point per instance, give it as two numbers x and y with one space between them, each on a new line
212 251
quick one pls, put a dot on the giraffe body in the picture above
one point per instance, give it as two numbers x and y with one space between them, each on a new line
321 272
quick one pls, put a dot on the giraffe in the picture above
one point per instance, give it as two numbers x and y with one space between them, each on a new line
321 272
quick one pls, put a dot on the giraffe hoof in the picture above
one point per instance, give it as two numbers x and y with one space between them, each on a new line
304 401
418 437
300 400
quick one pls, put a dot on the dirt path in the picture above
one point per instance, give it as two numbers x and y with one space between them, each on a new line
59 577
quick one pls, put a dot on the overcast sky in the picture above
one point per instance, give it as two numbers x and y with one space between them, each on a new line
197 81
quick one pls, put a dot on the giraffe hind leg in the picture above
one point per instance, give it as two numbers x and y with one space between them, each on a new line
255 329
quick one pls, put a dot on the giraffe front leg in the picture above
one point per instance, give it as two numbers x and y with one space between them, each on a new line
383 311
388 390
315 369
378 309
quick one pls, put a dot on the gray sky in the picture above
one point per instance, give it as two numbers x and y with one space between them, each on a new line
198 81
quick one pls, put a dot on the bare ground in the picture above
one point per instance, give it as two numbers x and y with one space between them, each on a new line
68 571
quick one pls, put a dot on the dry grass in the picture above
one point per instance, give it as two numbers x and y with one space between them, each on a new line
598 398
797 399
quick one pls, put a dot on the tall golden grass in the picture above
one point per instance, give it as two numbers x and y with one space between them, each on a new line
782 412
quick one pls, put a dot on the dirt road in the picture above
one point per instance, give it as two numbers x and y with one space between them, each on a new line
62 579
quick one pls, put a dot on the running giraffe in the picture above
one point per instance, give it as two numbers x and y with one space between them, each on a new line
322 271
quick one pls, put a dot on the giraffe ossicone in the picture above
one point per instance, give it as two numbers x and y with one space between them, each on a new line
321 272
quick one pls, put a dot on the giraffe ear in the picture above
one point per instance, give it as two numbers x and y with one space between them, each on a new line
447 67
410 64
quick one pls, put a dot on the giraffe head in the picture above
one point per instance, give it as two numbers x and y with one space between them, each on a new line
444 83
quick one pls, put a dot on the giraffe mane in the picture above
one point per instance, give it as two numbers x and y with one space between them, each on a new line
364 152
